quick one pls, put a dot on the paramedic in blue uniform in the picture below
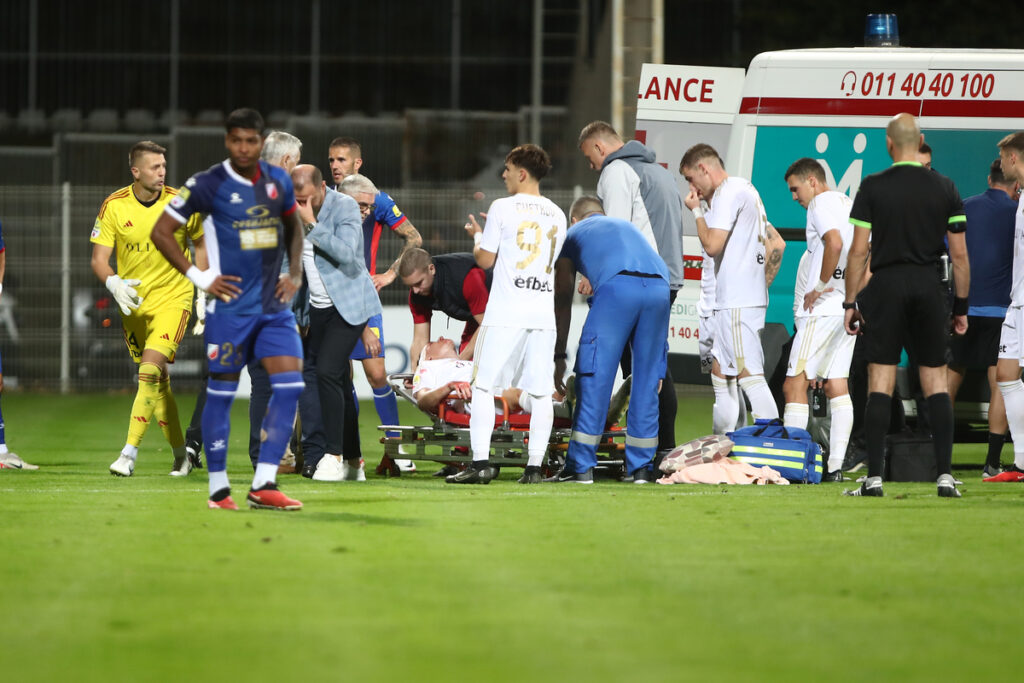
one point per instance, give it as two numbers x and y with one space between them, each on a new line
254 215
991 217
909 212
630 304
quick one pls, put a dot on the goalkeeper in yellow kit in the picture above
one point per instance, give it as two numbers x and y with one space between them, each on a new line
154 298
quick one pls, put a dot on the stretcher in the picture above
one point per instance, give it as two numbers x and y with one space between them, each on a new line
446 438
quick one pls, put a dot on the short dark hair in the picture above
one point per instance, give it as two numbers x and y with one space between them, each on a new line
351 143
413 260
531 158
584 206
248 119
925 148
143 147
697 153
996 175
803 167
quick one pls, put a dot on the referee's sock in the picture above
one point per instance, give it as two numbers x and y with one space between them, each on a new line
876 426
762 404
723 412
940 407
795 415
1013 397
995 449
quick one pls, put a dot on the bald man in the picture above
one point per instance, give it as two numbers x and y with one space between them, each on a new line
341 299
909 212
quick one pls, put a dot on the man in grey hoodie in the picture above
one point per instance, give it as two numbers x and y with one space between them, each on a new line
634 187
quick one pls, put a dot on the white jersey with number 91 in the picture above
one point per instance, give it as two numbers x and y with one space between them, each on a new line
527 232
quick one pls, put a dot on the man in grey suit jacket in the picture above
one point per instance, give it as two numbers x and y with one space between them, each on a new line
341 298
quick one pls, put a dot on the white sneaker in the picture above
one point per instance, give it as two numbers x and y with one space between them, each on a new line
406 466
329 469
182 466
123 466
11 461
350 473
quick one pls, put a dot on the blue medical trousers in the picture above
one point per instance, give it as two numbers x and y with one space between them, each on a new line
625 309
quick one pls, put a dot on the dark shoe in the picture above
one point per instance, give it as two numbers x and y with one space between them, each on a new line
531 475
446 471
872 486
565 475
481 473
835 475
642 476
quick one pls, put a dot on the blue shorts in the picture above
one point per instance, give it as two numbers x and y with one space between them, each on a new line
233 340
375 323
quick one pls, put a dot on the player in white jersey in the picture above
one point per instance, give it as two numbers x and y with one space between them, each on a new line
747 253
822 350
515 346
1011 338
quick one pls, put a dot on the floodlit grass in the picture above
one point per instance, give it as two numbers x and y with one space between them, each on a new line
108 579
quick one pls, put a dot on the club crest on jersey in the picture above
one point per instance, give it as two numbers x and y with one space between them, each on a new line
271 190
212 351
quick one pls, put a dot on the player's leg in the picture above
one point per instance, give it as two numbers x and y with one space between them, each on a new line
167 329
194 431
651 298
9 460
277 345
384 399
151 366
743 333
537 383
997 425
259 399
834 365
1011 358
799 374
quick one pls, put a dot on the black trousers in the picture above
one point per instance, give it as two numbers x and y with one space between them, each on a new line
332 340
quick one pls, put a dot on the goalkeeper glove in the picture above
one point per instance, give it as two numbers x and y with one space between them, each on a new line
200 313
124 293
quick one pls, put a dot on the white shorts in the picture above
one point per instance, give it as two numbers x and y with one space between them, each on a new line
737 342
507 357
1010 345
705 340
821 348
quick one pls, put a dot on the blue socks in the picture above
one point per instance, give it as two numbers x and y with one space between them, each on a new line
387 407
220 394
285 389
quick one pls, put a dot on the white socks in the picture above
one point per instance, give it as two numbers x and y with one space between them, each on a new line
266 473
131 452
542 415
481 424
795 415
841 408
761 402
741 413
218 481
724 412
1013 397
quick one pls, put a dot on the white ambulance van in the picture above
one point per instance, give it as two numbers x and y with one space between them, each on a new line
831 105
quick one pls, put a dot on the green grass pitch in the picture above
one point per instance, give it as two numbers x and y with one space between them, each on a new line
107 579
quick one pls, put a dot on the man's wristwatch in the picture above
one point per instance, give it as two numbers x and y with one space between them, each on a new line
849 305
308 227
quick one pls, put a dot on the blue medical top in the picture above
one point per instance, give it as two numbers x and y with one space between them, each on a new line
601 247
990 234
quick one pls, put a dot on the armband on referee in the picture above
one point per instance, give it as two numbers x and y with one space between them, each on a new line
960 305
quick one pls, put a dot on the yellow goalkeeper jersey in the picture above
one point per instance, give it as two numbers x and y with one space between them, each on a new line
124 224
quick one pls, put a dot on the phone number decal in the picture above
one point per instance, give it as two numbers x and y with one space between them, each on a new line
917 84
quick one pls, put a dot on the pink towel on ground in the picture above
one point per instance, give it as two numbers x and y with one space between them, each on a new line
722 470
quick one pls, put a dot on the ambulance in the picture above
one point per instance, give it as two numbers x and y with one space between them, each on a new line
832 105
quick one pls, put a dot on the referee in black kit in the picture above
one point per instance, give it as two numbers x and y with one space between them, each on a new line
907 210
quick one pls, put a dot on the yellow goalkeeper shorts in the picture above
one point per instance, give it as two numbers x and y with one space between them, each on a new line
161 330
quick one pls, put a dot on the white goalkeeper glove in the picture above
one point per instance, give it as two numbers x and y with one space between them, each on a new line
200 313
124 293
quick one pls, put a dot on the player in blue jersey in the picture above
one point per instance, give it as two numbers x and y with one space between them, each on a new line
630 305
251 205
378 211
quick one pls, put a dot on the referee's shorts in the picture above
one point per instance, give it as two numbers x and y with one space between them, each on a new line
904 306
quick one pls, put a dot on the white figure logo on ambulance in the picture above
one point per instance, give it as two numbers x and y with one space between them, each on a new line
850 182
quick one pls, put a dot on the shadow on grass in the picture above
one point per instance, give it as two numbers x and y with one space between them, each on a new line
362 520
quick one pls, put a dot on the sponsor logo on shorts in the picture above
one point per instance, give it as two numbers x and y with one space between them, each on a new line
212 351
533 284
